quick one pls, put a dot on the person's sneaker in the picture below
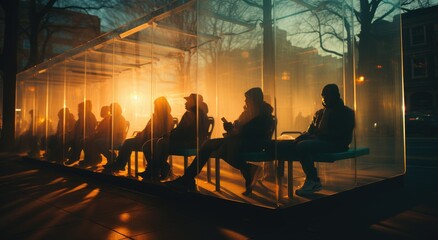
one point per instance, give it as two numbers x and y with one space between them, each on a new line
309 187
182 184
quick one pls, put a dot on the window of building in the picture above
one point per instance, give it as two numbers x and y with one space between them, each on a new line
418 35
419 67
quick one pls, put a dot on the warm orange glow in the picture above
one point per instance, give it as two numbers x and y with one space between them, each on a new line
31 89
93 193
379 66
285 76
232 234
124 217
361 79
82 186
245 54
58 180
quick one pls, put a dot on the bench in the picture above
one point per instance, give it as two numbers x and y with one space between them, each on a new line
190 152
264 156
175 122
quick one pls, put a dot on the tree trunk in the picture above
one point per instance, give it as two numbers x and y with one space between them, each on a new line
9 69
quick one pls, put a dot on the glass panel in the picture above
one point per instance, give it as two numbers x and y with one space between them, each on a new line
136 89
230 63
379 98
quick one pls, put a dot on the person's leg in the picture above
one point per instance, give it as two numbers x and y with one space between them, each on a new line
204 154
102 146
92 155
305 151
125 151
161 153
230 153
152 151
75 151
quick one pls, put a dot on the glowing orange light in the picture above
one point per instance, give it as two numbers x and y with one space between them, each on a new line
245 54
361 79
379 66
124 217
285 76
92 194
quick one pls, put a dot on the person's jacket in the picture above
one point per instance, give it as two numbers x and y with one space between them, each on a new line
256 131
334 125
190 127
162 126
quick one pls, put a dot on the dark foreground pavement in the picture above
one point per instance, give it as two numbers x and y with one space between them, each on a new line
40 202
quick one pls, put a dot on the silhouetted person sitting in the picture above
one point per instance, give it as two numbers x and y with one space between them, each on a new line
110 133
159 125
84 127
251 131
26 139
58 144
331 130
193 125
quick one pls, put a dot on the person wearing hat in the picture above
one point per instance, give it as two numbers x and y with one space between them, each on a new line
193 125
251 131
331 130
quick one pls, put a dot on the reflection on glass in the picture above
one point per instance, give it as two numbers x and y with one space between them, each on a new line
219 50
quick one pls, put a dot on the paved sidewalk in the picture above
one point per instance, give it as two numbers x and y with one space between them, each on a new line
38 202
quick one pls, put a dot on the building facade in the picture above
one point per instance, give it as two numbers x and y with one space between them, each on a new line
420 47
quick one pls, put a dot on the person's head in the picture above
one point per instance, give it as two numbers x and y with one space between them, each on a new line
88 106
254 98
193 100
330 95
115 109
162 106
81 109
63 111
105 111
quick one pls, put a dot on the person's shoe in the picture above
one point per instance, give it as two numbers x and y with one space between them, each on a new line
182 184
146 175
251 178
309 187
166 172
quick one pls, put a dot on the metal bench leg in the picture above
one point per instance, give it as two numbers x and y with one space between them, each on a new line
186 163
218 174
290 179
208 171
135 165
129 167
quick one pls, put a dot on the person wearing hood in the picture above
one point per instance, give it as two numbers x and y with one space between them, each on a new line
251 131
331 130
